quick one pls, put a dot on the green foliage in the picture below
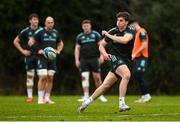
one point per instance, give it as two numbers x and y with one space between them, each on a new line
159 17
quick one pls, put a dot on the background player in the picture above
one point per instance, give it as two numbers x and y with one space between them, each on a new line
140 57
21 43
46 37
88 59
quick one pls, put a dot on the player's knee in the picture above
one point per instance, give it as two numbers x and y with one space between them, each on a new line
97 79
29 82
85 83
50 78
42 78
85 75
127 76
85 79
51 72
30 77
31 73
106 86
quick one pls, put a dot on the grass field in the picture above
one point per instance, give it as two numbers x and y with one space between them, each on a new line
161 108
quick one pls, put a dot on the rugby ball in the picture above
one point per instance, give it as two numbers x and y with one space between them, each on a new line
49 53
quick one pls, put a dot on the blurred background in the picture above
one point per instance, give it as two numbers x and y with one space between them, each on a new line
161 18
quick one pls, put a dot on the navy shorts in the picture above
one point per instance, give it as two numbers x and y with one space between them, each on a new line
46 64
91 64
31 62
116 61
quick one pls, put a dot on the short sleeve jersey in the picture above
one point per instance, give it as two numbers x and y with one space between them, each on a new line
118 49
46 38
24 37
89 44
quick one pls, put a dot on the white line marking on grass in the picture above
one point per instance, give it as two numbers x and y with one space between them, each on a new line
120 116
142 115
32 116
154 104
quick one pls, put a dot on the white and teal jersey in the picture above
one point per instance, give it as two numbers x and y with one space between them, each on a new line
89 44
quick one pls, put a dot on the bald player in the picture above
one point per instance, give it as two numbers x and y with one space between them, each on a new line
46 37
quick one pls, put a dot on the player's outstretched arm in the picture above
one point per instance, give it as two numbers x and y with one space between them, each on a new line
121 39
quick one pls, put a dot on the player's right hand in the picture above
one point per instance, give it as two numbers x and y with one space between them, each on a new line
101 58
41 51
26 52
77 64
107 57
104 32
132 57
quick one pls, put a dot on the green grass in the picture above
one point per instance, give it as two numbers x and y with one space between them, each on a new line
162 108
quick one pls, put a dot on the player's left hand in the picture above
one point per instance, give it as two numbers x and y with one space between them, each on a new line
132 57
104 32
107 57
101 58
26 52
58 52
41 52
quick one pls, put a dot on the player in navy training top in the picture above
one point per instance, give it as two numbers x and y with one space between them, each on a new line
46 37
88 58
21 43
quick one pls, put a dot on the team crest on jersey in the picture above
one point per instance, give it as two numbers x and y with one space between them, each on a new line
54 35
93 35
30 33
83 37
45 34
